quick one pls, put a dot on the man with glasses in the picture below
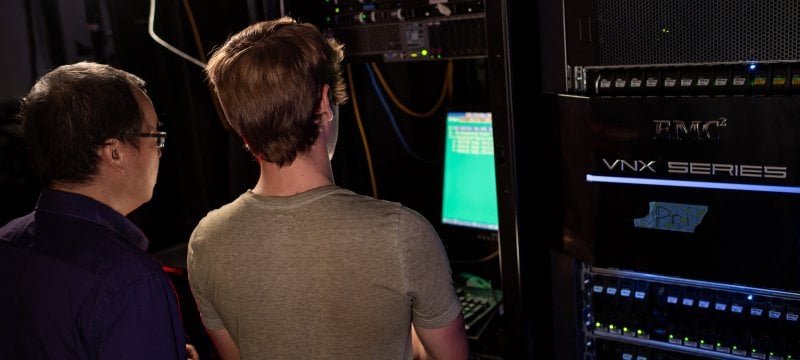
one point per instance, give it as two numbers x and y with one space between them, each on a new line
77 282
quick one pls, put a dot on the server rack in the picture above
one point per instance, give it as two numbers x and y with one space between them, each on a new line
679 158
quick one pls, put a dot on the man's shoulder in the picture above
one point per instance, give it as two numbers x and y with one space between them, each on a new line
364 202
75 242
225 214
112 260
12 231
93 257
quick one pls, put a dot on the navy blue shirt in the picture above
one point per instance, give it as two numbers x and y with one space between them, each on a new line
77 283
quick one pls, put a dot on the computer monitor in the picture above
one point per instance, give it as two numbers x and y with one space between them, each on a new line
469 197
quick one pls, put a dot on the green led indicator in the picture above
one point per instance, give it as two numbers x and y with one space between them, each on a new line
327 19
671 336
771 353
719 344
439 56
640 332
598 324
686 338
611 326
702 341
424 52
336 10
754 351
625 328
665 30
735 347
363 16
413 55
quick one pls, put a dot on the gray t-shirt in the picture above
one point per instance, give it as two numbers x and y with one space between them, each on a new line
322 274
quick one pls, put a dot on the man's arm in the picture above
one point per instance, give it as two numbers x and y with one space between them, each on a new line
226 348
138 321
445 343
198 274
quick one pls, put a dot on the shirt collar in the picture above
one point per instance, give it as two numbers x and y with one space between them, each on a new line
88 209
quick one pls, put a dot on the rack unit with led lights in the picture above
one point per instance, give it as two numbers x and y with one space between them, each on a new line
397 31
731 79
635 314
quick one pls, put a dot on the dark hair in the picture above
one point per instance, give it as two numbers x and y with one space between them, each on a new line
269 79
74 109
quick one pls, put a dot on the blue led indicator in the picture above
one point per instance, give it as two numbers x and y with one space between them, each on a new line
692 184
752 66
749 297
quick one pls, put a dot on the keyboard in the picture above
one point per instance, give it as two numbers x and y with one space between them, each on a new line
477 304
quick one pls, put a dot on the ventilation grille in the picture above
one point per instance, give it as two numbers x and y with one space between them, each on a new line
641 32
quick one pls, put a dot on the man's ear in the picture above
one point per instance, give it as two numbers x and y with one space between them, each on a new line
112 153
325 103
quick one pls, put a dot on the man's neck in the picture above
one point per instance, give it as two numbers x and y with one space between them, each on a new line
303 174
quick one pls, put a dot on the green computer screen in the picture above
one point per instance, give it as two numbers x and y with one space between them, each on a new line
469 197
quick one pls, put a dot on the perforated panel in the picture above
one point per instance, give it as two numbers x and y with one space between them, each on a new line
639 32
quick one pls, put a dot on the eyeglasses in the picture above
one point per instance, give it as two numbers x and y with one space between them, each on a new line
161 137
